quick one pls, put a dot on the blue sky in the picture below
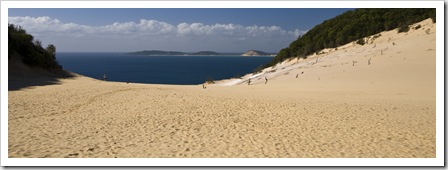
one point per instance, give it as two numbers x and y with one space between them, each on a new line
123 30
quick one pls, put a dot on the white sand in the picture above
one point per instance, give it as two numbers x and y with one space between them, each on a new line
333 109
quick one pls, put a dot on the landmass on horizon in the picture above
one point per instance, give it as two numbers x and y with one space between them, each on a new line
200 53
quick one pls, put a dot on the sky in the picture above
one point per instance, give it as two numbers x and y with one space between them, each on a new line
187 30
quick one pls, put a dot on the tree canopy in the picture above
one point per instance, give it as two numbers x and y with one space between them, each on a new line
31 51
350 26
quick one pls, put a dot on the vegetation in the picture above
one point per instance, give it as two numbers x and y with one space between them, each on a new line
205 53
32 52
418 27
350 26
255 53
403 28
360 41
210 80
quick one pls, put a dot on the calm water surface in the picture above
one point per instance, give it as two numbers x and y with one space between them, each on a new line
184 70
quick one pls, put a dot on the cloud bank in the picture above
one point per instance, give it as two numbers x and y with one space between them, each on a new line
153 34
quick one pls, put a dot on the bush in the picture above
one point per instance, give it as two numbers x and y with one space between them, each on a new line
404 28
418 27
376 36
210 80
361 41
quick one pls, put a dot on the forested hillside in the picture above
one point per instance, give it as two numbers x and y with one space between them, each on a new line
32 53
350 26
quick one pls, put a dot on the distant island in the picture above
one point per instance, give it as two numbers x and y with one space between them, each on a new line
205 53
256 53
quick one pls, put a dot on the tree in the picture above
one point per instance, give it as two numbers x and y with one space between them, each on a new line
31 51
51 49
38 43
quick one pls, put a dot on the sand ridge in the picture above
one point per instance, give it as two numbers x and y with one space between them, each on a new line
333 109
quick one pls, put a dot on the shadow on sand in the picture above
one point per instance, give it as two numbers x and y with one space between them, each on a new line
21 83
18 83
22 76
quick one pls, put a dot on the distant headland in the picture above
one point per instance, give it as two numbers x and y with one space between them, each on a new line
257 53
204 53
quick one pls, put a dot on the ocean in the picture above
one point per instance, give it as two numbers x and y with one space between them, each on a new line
180 70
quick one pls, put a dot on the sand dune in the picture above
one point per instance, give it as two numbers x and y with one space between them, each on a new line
334 109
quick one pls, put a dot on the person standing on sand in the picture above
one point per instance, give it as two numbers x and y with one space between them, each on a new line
248 83
105 77
266 80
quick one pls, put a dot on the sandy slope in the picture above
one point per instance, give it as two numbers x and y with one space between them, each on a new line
333 109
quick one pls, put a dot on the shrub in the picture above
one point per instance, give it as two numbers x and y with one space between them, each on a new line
418 27
403 28
210 80
376 36
361 41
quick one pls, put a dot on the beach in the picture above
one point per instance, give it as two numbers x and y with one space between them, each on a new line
376 100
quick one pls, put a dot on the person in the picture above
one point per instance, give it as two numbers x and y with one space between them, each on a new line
297 75
266 80
105 77
248 83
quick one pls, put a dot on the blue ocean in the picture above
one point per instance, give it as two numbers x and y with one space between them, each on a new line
181 70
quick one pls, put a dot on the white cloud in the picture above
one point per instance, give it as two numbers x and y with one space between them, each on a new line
152 33
298 32
155 27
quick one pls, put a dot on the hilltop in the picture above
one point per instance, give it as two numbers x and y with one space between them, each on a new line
254 53
205 53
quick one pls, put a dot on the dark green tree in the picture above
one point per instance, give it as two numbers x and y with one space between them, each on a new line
51 49
31 51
